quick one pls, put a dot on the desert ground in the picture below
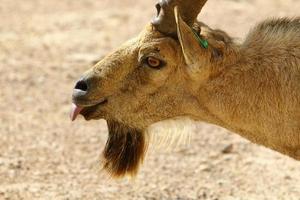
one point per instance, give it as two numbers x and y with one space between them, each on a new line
46 45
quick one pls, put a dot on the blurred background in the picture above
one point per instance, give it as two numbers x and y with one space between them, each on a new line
46 45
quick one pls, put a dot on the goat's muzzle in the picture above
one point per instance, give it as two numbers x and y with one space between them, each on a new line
82 101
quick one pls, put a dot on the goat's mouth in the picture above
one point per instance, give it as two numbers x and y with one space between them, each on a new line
88 111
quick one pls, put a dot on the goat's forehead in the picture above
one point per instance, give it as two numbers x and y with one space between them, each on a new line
150 34
150 37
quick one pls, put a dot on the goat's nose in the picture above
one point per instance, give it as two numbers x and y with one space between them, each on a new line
81 85
80 90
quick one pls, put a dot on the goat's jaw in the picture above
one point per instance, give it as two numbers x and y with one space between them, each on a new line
88 112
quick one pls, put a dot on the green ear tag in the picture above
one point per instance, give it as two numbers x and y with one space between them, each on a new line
202 42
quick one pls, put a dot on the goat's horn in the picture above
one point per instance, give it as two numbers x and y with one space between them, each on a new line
165 20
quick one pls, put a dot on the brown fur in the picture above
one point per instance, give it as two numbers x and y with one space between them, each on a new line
251 88
124 150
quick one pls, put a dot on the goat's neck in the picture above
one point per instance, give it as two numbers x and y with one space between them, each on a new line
242 98
229 98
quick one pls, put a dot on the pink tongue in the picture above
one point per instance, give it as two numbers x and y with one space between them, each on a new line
75 111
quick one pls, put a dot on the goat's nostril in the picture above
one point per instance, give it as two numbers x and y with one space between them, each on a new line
81 85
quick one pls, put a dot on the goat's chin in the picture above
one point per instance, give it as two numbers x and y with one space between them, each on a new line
92 113
124 150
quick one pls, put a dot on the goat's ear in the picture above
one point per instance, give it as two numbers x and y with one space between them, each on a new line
189 44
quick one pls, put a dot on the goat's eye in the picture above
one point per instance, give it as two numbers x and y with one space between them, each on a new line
153 62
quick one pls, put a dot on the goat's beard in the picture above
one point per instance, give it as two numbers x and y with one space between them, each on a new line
124 150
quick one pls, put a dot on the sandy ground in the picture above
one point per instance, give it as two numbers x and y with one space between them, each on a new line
46 45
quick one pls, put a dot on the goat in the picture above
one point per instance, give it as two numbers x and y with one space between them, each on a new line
179 67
